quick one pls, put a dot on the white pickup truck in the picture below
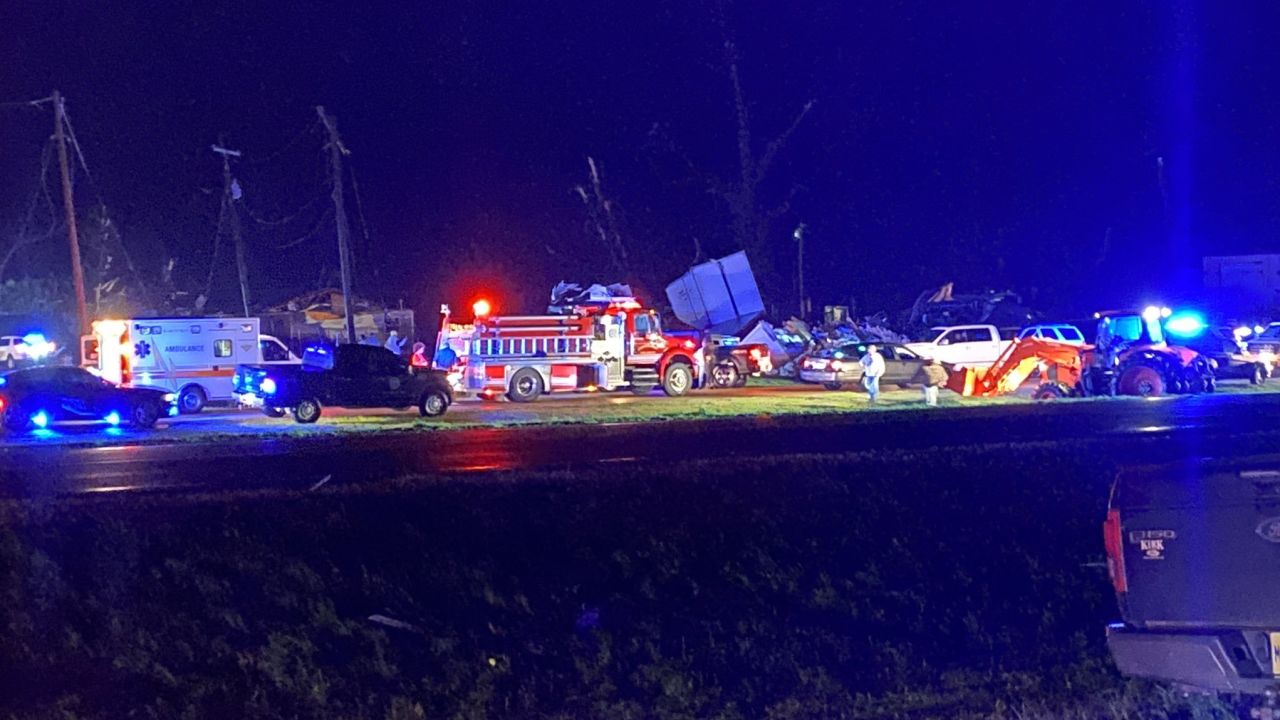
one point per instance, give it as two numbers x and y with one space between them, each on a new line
963 345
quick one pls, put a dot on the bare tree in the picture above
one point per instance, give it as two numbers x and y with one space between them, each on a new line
602 221
752 217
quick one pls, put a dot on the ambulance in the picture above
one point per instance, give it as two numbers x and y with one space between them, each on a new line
195 358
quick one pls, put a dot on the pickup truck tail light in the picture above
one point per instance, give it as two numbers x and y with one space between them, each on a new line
1114 543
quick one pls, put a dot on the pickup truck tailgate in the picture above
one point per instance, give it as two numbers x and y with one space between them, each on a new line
1200 547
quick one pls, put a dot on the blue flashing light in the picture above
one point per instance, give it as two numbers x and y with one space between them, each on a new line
173 411
839 354
3 380
1185 325
268 386
112 418
40 419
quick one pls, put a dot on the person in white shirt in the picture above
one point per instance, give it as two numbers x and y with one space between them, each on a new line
872 368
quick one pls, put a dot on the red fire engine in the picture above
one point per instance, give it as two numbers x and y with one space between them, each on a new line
591 346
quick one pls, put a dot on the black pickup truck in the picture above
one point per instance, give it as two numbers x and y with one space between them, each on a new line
355 376
1194 557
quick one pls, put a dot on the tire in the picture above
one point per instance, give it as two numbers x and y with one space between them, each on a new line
1141 381
1051 391
433 403
1259 374
273 412
144 415
741 381
17 420
526 386
192 400
833 385
677 379
724 375
307 411
642 390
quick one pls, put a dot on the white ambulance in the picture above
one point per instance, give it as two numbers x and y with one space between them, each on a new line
192 357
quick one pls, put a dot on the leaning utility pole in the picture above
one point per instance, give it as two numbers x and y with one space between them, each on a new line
68 202
229 206
336 151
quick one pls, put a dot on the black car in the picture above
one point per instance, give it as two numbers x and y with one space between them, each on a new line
356 376
1232 359
39 397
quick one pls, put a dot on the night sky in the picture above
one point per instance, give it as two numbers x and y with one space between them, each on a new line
997 144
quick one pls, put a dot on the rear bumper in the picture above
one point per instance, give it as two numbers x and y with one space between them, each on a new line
1222 661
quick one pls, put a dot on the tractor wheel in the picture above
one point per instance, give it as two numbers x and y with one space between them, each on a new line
1142 381
677 379
724 374
192 400
308 411
833 385
526 386
1051 391
1259 375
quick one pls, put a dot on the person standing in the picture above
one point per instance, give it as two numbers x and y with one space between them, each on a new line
933 377
394 343
872 369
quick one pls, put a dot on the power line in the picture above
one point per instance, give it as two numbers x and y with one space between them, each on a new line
27 103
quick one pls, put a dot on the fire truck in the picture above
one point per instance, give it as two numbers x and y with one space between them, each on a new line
590 346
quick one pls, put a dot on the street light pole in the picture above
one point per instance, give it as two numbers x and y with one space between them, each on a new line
798 234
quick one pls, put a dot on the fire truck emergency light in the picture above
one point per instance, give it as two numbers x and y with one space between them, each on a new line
481 308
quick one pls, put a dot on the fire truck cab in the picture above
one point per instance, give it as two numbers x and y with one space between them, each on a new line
598 346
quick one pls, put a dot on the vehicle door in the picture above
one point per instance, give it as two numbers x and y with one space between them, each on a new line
273 352
908 364
79 393
392 381
955 347
893 370
608 347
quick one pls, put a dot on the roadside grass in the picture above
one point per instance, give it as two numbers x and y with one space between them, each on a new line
959 584
791 399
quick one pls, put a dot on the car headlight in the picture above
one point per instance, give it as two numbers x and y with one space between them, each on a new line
268 386
170 397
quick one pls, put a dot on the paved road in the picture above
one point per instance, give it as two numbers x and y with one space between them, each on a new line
1202 426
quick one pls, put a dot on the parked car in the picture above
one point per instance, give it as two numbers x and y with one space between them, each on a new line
356 376
16 350
1231 357
1192 553
1064 333
838 366
40 397
962 345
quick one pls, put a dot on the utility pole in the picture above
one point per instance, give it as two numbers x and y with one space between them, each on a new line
68 203
336 151
230 194
799 236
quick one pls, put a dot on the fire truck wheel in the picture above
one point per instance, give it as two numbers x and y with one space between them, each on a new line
191 400
307 411
724 374
833 385
273 412
677 379
526 386
642 389
433 404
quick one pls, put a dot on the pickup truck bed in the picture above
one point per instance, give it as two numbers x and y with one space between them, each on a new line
1194 554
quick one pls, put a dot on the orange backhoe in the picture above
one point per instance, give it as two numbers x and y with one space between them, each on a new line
1060 366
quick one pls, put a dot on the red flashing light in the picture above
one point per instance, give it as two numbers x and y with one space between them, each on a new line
1 404
688 344
481 308
755 353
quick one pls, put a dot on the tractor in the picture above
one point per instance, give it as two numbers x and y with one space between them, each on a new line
1132 357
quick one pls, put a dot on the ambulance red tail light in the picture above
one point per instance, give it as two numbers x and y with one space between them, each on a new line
1112 540
755 353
